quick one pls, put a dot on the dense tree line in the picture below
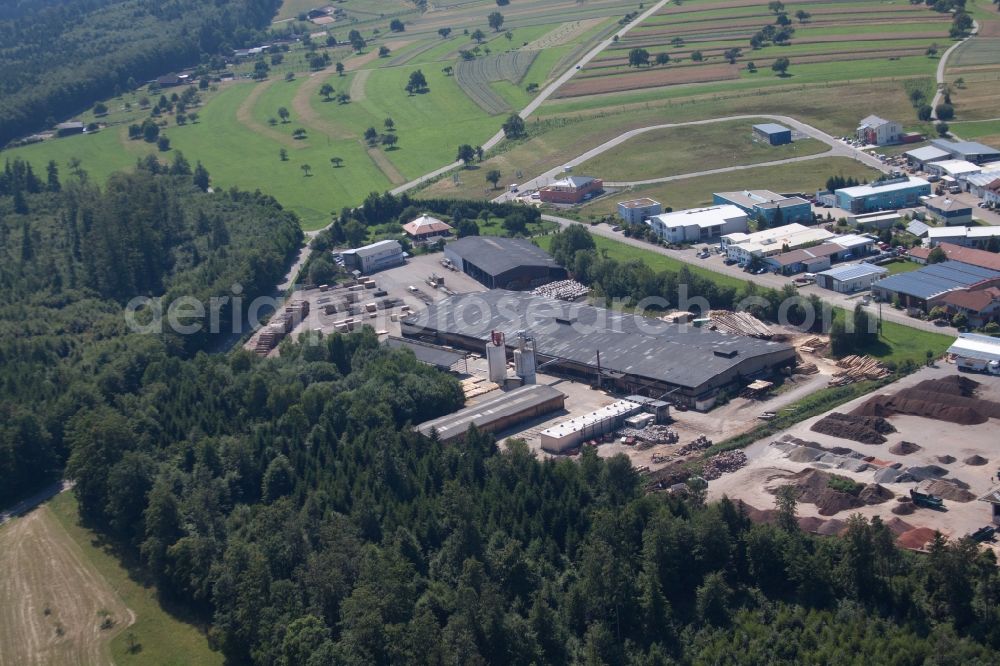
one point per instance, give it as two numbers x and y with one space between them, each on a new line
59 57
72 254
287 502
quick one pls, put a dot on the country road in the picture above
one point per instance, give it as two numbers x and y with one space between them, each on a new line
714 264
29 503
837 149
943 65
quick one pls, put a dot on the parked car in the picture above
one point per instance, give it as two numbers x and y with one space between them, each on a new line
703 254
760 271
729 261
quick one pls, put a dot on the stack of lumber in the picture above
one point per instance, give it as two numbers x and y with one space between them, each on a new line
564 290
477 386
811 345
806 369
740 323
856 369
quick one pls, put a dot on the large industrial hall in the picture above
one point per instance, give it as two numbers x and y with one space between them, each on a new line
614 350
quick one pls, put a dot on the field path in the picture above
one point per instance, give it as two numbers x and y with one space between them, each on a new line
943 65
357 91
52 599
244 115
387 167
302 106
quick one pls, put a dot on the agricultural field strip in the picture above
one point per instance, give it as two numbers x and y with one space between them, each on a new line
475 76
836 148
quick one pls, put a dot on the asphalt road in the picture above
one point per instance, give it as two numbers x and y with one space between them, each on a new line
716 265
837 149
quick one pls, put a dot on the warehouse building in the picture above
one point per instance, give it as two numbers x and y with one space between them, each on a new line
637 211
616 350
436 356
924 288
980 184
777 209
888 194
948 211
978 237
875 131
699 224
375 257
742 247
772 133
501 411
976 352
920 158
878 220
504 263
568 434
571 190
955 168
850 278
970 151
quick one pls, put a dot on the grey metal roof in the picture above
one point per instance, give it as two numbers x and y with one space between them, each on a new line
499 406
965 147
496 255
927 153
854 271
936 279
375 248
630 344
771 128
425 353
917 228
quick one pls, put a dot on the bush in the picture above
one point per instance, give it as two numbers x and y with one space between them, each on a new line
945 111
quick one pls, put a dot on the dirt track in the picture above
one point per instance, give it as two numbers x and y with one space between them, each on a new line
51 598
302 106
244 115
386 166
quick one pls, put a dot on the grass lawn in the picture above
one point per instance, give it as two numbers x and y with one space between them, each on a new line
898 343
693 192
164 638
901 266
668 152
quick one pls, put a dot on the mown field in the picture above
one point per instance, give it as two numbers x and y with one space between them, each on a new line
837 40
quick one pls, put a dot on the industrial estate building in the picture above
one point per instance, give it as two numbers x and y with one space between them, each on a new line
742 247
919 158
777 209
979 237
850 278
504 263
875 131
571 190
375 257
699 224
887 194
970 151
637 211
625 352
953 168
820 257
773 133
966 255
976 352
499 412
924 288
949 211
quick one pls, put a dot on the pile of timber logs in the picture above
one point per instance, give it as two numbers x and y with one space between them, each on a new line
740 323
856 369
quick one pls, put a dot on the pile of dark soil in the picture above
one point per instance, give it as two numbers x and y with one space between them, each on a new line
904 448
858 428
950 399
873 493
975 460
903 509
946 459
813 487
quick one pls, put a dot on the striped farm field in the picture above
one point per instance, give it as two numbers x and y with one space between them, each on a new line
710 42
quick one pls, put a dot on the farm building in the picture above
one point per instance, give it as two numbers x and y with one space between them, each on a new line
742 247
970 151
72 127
979 303
888 194
699 224
975 351
426 228
980 237
875 131
571 190
501 411
617 350
850 278
504 263
954 168
920 158
772 133
924 288
375 257
777 209
637 211
949 211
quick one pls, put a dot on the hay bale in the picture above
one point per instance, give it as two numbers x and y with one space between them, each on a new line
904 448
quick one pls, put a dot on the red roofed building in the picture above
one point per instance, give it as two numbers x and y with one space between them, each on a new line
426 227
967 255
980 303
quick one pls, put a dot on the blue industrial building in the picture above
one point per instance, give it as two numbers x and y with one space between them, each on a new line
773 133
889 194
766 204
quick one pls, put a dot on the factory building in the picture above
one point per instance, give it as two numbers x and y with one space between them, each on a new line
772 133
777 209
566 435
875 131
888 194
954 168
616 350
970 151
637 211
504 263
375 257
501 411
920 158
699 224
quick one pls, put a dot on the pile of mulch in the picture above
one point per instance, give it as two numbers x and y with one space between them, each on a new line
975 460
949 491
946 459
873 493
950 399
812 486
904 448
916 538
859 428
